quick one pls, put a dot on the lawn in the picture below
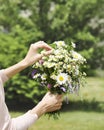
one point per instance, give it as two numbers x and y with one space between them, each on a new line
84 112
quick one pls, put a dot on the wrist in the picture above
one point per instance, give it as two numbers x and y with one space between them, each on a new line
40 109
24 63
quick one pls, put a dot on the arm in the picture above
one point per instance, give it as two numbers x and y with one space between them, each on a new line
31 57
50 102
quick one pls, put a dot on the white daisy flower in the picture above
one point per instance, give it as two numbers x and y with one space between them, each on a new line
57 52
50 65
52 58
69 67
43 76
76 55
53 76
60 43
36 76
77 72
73 44
62 78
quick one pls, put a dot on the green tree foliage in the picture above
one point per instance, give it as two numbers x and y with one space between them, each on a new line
23 22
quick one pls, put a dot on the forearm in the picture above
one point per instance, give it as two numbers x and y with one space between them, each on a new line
23 122
11 71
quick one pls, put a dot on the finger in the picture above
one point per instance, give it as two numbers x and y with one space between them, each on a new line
43 45
59 96
46 53
58 106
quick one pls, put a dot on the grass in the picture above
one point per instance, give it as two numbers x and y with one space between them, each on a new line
72 121
84 112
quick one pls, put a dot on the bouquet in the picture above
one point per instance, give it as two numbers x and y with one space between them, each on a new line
61 71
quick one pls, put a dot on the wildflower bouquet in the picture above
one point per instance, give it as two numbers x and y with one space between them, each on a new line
60 72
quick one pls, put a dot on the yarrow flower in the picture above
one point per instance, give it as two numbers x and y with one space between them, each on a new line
60 72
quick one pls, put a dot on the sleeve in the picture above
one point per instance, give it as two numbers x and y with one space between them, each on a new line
3 77
24 122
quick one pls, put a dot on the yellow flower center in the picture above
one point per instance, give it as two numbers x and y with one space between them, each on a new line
76 56
61 78
69 67
60 43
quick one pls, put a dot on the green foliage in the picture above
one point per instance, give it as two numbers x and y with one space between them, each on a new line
24 89
23 22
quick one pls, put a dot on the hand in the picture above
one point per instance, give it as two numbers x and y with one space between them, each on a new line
52 101
33 55
49 103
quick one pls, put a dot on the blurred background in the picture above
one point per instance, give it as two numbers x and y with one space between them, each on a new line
23 22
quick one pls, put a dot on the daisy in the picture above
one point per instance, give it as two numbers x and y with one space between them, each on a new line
43 76
60 43
62 78
76 55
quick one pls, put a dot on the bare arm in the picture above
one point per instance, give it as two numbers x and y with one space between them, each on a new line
31 57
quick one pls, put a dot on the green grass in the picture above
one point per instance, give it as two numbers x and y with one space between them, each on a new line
72 121
84 112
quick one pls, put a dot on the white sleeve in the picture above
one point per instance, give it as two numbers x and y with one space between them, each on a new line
3 77
25 121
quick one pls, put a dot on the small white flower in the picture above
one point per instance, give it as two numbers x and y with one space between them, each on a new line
53 76
37 64
76 55
52 58
69 79
36 76
57 52
50 65
66 59
84 74
77 72
60 63
60 43
44 76
64 66
69 67
58 57
62 78
73 44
